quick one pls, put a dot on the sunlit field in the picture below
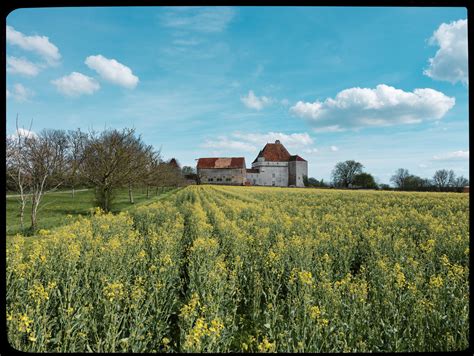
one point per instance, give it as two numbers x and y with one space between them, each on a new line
219 269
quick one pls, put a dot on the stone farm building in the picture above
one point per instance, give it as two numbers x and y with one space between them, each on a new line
273 166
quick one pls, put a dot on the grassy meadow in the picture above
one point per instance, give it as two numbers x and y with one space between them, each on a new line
56 207
248 269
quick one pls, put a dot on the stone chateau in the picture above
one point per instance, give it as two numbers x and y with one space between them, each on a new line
273 166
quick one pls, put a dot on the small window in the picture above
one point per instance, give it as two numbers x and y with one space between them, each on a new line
228 179
219 179
210 179
273 175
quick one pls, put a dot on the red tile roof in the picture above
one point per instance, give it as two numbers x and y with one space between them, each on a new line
221 162
274 152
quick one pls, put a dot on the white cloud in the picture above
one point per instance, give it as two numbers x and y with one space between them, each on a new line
383 106
37 44
285 102
251 142
225 143
294 140
254 102
76 84
450 61
112 71
310 150
20 93
21 66
451 156
334 148
198 19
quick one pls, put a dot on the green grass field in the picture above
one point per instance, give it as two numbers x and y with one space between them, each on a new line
56 206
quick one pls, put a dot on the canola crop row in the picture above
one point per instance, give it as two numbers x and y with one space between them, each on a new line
219 269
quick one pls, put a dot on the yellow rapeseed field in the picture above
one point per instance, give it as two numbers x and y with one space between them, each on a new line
219 269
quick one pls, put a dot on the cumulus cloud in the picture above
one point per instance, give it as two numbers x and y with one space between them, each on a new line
453 156
251 142
254 102
450 61
224 142
112 71
383 106
198 19
20 93
37 44
294 140
76 84
21 66
334 148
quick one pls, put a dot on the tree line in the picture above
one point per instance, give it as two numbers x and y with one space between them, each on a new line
105 161
350 174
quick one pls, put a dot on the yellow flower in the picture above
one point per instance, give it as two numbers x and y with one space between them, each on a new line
24 323
306 277
399 276
436 281
323 322
38 293
216 327
314 312
114 291
266 346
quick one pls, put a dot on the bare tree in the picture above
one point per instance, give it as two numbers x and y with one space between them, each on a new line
113 160
344 172
149 176
441 179
15 166
461 182
141 155
75 156
400 178
43 164
451 178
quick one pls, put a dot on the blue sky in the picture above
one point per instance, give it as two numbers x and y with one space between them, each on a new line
384 86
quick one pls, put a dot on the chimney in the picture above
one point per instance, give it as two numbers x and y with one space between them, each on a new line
277 141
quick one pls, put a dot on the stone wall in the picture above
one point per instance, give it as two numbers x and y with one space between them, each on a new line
296 171
272 173
222 176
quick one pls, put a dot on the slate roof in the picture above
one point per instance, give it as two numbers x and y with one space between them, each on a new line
221 162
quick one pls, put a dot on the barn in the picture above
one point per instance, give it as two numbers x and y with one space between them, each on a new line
222 170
